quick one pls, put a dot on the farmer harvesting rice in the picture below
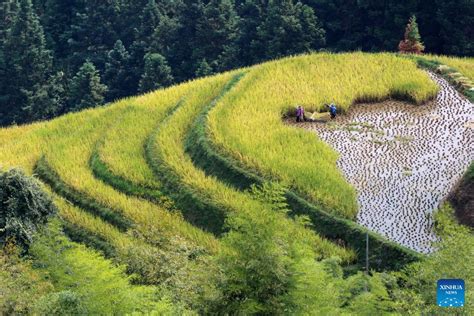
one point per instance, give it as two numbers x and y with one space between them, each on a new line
300 114
332 110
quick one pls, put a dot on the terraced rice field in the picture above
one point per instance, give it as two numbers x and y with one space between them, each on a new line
403 160
464 65
176 162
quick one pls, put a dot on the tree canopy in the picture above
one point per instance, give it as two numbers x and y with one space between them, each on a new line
53 39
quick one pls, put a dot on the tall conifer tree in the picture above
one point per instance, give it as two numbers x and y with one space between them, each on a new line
27 64
412 42
217 31
86 89
118 76
156 74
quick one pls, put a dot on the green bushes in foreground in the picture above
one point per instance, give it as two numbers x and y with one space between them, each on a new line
268 263
24 207
177 266
20 285
93 284
452 260
268 267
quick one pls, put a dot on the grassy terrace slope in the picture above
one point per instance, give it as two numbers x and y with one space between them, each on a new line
247 123
67 144
204 199
464 65
120 165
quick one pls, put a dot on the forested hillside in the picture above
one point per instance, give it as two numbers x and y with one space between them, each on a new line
59 56
202 199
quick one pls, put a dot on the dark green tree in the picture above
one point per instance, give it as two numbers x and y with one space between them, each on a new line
26 64
86 90
93 33
58 19
290 28
412 42
364 24
455 19
118 74
165 38
148 21
251 49
8 10
176 38
217 32
24 207
203 69
156 74
49 100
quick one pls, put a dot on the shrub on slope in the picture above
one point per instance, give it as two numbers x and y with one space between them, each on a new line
20 285
100 287
24 207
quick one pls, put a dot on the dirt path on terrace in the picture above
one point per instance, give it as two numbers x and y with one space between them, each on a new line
403 160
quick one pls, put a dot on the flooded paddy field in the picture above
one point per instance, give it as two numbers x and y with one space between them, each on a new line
403 160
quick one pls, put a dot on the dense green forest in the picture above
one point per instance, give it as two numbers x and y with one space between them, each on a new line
58 56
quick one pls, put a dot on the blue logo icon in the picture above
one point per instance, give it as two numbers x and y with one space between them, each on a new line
450 293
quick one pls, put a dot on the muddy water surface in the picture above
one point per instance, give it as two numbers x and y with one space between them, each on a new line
403 160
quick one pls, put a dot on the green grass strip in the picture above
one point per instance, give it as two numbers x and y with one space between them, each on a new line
197 209
433 65
81 235
384 254
101 171
47 174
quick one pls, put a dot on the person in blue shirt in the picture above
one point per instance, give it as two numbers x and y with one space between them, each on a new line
332 110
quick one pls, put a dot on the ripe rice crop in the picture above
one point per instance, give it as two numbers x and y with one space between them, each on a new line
67 144
247 123
122 148
169 144
463 64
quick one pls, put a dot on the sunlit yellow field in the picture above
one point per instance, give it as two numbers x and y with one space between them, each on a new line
245 124
464 65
